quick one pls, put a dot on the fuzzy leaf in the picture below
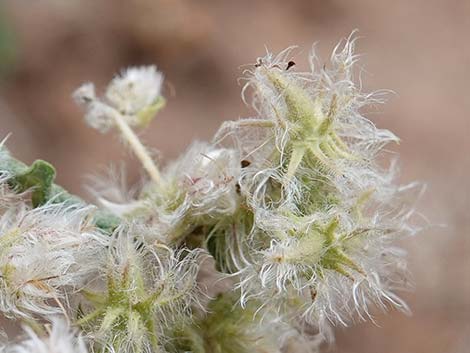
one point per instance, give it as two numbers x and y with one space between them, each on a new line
39 178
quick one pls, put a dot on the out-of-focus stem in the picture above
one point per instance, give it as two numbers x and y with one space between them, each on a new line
139 149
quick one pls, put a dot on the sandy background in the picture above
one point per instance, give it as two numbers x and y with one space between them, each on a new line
419 49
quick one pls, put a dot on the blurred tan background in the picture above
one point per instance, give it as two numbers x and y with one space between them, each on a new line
419 49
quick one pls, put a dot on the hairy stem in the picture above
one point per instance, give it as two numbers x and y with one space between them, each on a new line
137 147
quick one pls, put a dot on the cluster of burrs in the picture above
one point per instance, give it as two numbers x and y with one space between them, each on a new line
259 241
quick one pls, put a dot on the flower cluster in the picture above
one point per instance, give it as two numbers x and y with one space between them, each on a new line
46 253
322 212
293 208
60 339
146 290
135 95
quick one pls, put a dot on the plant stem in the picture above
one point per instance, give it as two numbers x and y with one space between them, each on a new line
138 148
